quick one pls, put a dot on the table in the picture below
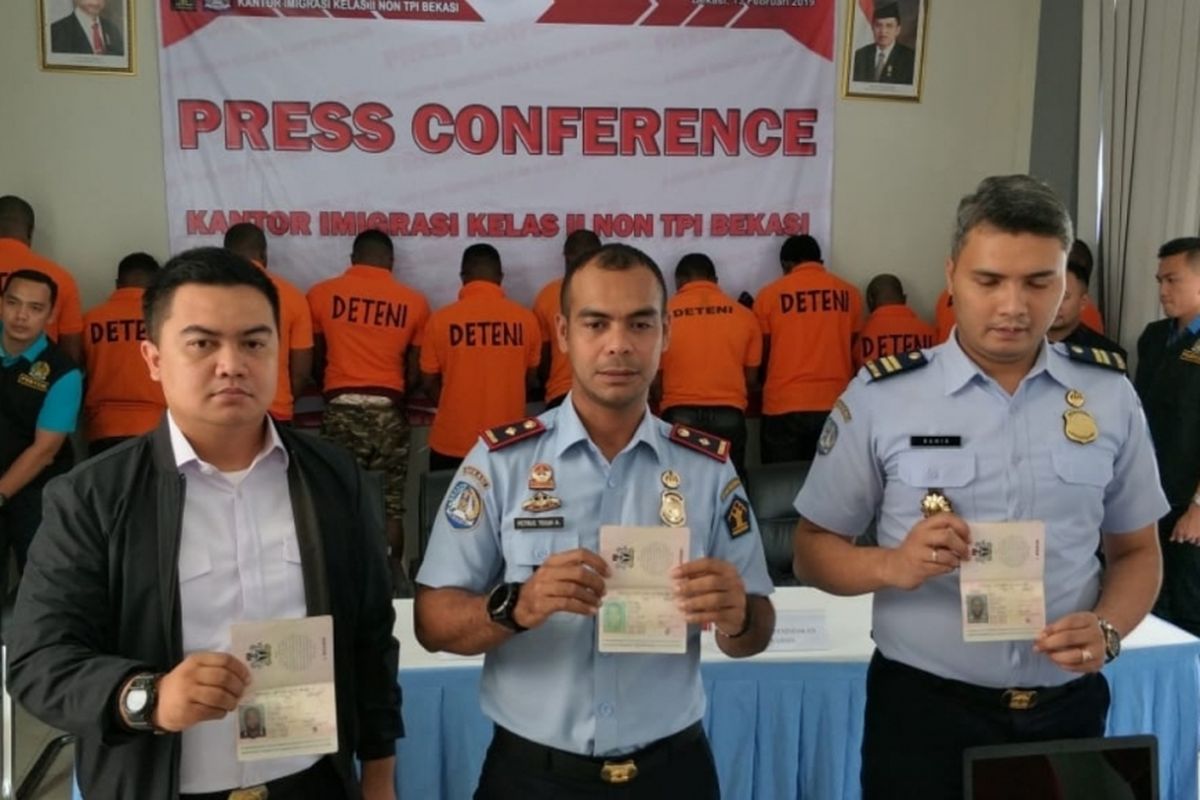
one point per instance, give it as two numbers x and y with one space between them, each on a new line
788 725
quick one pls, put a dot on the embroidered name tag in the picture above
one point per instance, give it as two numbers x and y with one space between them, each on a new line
935 441
537 523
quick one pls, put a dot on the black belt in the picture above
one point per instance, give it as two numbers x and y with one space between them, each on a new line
617 769
281 787
1013 699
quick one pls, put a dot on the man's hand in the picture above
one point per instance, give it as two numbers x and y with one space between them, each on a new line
933 547
570 581
203 686
711 590
379 779
1187 528
1075 642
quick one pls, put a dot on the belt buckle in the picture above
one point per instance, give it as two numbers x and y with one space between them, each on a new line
1021 699
618 771
252 793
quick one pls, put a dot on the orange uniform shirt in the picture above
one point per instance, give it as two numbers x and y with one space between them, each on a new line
295 333
546 306
944 316
121 399
68 312
714 339
369 321
1090 315
811 316
482 346
891 330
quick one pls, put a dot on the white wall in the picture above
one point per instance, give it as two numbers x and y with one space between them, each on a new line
86 150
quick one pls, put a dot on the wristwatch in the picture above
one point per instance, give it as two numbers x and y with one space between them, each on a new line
501 603
1112 640
139 698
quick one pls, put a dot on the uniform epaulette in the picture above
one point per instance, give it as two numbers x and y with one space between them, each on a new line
1095 355
701 442
888 366
511 432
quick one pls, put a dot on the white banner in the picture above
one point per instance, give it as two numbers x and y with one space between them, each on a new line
676 126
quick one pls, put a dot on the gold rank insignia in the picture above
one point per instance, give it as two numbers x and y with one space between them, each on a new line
541 501
935 502
1191 354
1079 426
706 443
1097 357
888 366
1075 398
541 477
672 510
39 370
670 479
512 432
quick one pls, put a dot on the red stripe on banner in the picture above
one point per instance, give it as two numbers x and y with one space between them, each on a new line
595 12
352 14
463 12
670 12
812 26
714 16
302 12
177 25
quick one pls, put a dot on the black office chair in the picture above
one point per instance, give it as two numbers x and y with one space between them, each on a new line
772 489
8 743
434 486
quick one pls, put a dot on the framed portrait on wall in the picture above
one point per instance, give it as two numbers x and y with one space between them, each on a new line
87 35
884 52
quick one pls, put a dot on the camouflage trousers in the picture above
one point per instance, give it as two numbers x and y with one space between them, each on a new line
378 436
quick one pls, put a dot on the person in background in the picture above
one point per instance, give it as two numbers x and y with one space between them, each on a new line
554 372
892 327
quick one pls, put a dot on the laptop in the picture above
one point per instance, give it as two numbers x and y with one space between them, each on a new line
1120 768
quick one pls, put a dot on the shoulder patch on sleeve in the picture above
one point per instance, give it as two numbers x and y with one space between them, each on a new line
888 366
712 446
1097 357
503 435
737 517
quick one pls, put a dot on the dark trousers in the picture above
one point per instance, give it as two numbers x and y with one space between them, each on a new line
792 436
1179 598
320 780
98 446
917 726
724 421
440 461
516 769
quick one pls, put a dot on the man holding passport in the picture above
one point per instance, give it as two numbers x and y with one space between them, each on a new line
597 515
156 556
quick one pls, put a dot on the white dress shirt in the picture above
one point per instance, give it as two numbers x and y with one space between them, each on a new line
238 560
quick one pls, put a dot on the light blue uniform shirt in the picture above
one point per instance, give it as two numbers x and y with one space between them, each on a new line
60 409
550 684
1015 463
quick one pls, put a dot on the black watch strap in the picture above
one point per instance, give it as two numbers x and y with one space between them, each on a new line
138 700
501 603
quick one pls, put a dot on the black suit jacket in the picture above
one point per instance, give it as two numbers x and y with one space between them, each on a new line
1168 382
68 36
100 600
899 67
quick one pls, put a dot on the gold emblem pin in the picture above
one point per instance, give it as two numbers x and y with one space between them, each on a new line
672 510
541 502
1079 426
934 502
1075 398
541 477
671 479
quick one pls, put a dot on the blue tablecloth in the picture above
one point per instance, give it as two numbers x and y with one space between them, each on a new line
790 729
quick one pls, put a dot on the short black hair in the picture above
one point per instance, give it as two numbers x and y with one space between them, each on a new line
34 276
1013 204
247 240
695 267
481 262
799 249
1184 244
16 215
883 290
135 266
887 11
616 257
373 247
206 266
579 243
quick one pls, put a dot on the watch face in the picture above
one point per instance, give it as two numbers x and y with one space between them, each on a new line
135 701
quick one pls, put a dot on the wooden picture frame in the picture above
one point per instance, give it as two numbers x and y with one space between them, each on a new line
884 51
97 36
